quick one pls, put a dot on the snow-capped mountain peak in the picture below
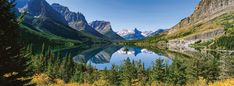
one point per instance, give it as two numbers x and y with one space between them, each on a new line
147 33
125 32
131 34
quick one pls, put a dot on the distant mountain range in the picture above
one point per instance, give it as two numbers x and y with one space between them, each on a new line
44 25
158 32
137 34
57 22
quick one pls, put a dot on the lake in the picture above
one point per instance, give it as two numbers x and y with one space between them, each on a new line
105 56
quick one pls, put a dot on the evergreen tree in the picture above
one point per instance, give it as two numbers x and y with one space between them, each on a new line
128 72
211 70
230 65
142 76
13 62
158 71
78 75
90 74
49 63
114 77
178 72
68 68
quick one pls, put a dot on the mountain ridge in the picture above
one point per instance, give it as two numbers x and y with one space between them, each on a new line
206 10
45 20
131 34
105 28
76 20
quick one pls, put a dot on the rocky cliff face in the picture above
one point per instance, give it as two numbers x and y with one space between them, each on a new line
101 26
205 11
105 28
69 16
40 8
204 19
76 20
42 18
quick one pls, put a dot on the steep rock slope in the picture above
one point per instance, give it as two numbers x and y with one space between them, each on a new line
76 20
44 19
105 28
210 21
40 8
205 11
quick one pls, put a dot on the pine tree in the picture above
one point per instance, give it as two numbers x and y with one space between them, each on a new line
78 74
90 74
158 71
230 65
50 68
211 70
68 68
114 76
178 72
13 63
142 76
129 72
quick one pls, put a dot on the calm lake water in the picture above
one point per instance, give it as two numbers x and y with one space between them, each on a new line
105 56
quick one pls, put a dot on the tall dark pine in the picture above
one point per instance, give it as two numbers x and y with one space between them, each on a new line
13 64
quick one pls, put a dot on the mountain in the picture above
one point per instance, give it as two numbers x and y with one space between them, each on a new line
105 28
41 9
151 33
211 24
204 12
76 20
147 33
157 32
131 34
43 19
210 21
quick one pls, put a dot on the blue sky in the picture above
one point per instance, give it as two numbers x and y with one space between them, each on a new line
129 14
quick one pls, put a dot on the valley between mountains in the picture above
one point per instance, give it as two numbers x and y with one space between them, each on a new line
49 44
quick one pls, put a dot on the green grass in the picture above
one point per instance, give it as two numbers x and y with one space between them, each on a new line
30 36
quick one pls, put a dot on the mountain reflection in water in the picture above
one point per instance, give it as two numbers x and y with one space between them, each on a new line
105 56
